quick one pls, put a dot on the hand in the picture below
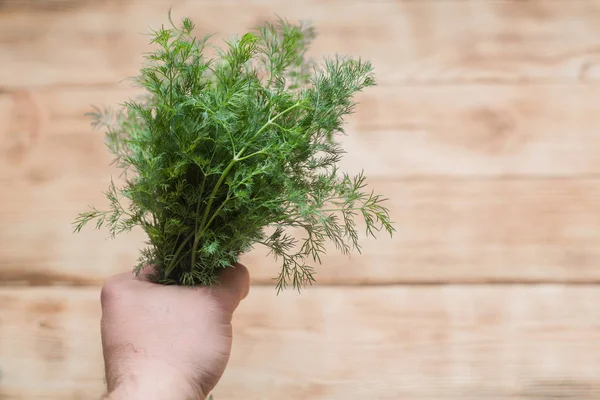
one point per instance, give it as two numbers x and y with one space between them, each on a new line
168 342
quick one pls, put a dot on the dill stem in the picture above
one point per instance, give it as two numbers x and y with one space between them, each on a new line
173 262
200 232
213 194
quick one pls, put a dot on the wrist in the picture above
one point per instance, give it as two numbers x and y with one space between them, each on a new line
158 384
150 392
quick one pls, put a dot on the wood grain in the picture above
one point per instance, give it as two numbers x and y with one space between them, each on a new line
475 342
470 230
459 130
483 133
521 201
415 42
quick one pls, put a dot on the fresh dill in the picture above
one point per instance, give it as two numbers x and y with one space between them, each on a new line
239 150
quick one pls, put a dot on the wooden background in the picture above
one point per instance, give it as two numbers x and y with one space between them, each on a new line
484 131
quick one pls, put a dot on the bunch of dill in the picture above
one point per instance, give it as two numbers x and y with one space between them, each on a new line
230 152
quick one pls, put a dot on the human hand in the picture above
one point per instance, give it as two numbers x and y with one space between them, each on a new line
167 342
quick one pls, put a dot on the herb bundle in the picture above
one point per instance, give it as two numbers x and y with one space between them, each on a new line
239 150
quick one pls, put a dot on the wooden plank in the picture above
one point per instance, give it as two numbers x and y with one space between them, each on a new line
434 343
470 230
476 130
52 166
416 42
458 130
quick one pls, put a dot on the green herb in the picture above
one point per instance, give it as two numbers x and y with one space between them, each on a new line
229 152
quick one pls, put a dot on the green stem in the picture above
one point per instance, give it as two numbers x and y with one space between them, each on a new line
269 123
216 188
343 209
175 259
170 87
208 206
216 213
173 262
198 215
200 231
252 155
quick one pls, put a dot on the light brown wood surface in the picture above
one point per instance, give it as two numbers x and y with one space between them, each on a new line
469 230
402 342
483 132
486 182
475 130
80 42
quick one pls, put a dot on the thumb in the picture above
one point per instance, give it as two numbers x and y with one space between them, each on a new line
233 286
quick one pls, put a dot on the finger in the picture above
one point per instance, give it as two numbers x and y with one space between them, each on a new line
234 283
145 273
